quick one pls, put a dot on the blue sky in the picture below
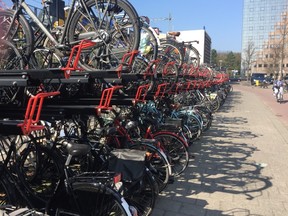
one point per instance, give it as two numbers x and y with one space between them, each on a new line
222 18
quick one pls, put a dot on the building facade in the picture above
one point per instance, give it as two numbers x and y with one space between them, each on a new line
203 46
264 37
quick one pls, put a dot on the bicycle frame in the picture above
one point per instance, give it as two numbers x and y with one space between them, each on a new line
19 5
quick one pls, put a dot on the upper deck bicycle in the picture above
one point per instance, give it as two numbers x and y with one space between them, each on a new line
113 26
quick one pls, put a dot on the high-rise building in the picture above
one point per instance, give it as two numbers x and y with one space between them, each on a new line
264 36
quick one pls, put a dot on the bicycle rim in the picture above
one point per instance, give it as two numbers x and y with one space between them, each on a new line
118 27
142 195
10 58
98 200
176 150
158 164
20 34
40 169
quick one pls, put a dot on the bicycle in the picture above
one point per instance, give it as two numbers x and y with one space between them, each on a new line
279 94
39 179
112 25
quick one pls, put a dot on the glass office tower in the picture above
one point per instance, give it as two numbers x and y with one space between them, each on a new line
260 18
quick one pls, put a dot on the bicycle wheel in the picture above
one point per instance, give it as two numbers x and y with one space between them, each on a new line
10 58
175 148
20 33
7 192
142 194
192 56
206 115
98 200
193 122
215 104
173 50
45 58
148 44
158 164
40 169
113 25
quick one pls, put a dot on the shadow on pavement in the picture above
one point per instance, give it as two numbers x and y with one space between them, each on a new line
221 165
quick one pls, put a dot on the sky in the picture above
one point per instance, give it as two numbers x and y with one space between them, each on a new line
222 19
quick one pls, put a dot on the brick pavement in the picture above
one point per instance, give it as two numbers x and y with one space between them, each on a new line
240 165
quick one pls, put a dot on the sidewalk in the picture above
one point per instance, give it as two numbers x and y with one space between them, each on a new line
240 165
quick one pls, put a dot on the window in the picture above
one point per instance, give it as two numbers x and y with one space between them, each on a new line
260 65
250 28
262 9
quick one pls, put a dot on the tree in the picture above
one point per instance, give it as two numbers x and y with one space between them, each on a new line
248 58
214 58
230 61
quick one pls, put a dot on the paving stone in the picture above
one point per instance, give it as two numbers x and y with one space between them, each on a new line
240 164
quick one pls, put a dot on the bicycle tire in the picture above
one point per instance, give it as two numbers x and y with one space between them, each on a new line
20 34
39 170
158 164
193 123
206 117
121 40
142 194
7 191
10 58
98 200
141 66
176 149
148 44
192 56
173 50
215 104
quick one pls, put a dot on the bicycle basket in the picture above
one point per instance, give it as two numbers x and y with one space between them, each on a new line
129 162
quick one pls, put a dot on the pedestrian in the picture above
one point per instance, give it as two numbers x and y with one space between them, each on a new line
279 89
